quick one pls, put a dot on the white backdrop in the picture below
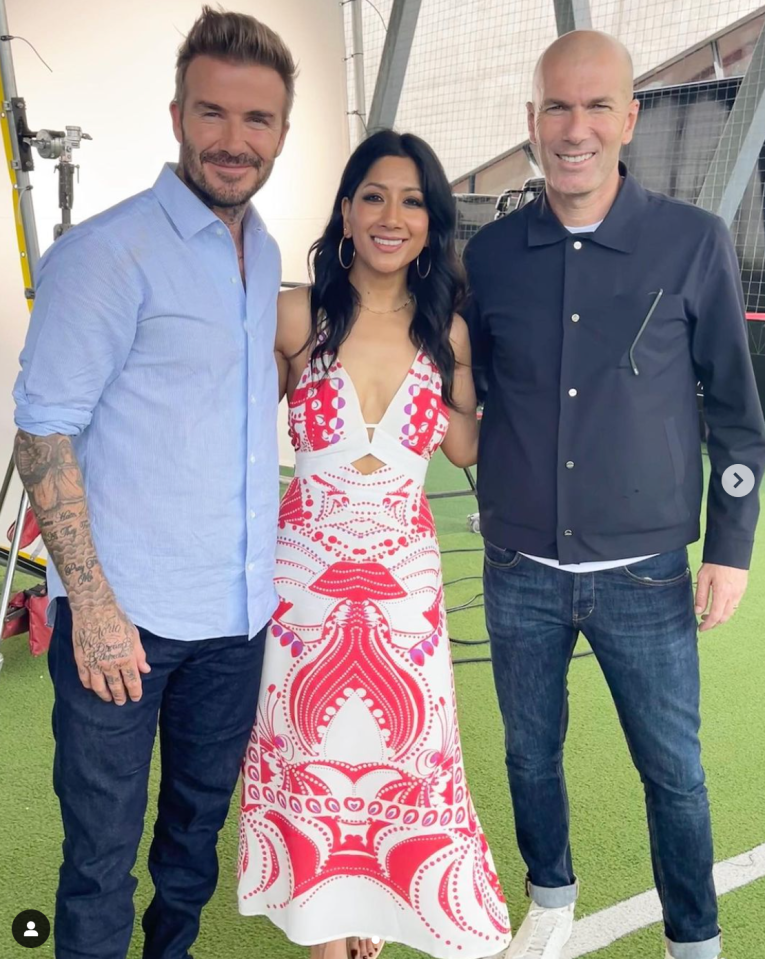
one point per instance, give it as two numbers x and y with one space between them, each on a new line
113 75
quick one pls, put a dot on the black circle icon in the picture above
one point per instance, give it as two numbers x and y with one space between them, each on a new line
31 929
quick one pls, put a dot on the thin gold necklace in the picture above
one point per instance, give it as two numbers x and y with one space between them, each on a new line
398 309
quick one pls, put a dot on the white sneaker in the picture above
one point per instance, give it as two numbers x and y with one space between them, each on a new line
543 933
668 956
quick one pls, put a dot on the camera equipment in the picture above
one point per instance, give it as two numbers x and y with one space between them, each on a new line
20 143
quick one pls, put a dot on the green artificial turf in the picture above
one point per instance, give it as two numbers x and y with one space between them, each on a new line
608 832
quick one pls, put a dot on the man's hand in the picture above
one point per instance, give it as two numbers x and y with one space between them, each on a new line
108 652
727 586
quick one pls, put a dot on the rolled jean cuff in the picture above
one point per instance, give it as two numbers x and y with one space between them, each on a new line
557 897
709 949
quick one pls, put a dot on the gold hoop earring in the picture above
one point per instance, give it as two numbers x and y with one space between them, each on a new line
343 238
426 274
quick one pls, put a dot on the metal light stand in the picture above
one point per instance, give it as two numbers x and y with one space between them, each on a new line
18 142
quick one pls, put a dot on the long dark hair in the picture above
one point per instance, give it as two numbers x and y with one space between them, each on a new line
334 301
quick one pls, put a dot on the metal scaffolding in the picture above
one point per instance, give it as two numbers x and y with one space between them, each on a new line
394 63
740 144
572 15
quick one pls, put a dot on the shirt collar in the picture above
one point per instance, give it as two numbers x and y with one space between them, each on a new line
187 212
619 230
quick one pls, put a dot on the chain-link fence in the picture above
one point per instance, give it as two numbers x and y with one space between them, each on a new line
700 75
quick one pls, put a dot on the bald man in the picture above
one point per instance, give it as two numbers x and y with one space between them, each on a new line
595 311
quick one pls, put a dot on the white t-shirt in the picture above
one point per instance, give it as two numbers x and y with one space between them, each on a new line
608 564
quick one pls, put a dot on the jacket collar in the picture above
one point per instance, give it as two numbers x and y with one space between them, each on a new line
619 230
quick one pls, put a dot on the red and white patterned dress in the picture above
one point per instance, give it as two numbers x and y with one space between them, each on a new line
356 819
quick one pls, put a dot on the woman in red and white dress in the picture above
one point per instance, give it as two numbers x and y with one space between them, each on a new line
357 826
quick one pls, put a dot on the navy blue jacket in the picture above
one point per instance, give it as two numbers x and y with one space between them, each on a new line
590 347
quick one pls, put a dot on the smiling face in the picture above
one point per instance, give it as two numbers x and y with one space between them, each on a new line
582 113
231 128
386 218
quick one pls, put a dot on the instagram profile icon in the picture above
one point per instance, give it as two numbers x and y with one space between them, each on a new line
31 928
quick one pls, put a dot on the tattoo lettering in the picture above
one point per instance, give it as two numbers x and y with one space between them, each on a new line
104 642
51 474
104 639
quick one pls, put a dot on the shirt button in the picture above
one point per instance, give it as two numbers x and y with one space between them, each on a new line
577 244
252 398
219 231
572 392
233 279
567 532
252 514
570 465
250 566
574 317
252 458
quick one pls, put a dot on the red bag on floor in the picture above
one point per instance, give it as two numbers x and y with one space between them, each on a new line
39 630
16 617
29 531
27 611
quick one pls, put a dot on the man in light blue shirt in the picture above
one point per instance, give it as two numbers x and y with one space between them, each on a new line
146 408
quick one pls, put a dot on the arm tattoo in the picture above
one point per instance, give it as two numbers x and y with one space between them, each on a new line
51 475
103 643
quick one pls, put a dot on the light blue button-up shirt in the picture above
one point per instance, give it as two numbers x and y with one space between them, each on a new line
146 349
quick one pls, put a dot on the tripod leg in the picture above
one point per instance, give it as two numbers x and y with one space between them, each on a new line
13 555
6 483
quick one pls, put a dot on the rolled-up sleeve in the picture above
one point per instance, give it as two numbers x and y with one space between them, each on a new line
731 405
88 295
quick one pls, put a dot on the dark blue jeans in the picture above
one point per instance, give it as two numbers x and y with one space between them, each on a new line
640 623
203 695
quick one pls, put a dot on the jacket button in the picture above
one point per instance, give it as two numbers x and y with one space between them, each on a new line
567 532
577 244
570 465
572 392
575 317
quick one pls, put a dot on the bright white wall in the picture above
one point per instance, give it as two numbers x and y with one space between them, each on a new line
113 63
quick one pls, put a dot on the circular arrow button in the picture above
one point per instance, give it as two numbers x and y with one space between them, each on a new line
738 480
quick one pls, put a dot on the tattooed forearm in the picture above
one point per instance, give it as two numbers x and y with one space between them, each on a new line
107 646
51 475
